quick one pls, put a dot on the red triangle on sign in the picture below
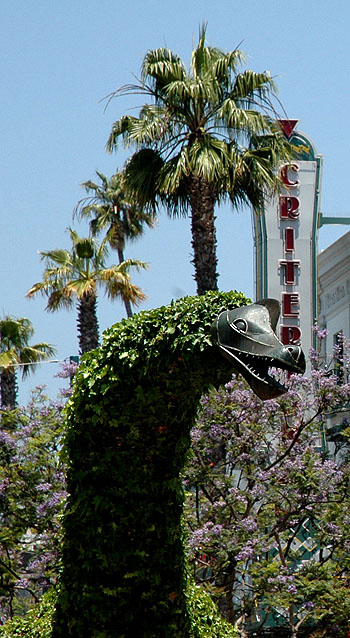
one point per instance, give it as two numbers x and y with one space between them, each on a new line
288 126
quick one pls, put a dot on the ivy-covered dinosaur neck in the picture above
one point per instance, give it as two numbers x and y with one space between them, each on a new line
129 421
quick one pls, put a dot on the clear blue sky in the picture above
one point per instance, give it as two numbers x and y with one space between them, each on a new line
59 58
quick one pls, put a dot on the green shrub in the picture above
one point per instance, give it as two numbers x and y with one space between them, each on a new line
37 623
206 621
128 433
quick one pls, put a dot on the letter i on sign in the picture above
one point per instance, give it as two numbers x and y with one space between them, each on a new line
289 240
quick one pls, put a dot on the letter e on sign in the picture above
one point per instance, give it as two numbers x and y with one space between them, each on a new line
290 304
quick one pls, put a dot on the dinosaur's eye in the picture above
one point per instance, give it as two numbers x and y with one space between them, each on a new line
241 325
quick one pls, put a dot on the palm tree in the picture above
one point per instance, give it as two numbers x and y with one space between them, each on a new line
76 274
209 133
16 351
111 208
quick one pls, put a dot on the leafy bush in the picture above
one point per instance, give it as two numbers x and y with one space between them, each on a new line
206 622
128 433
36 624
32 490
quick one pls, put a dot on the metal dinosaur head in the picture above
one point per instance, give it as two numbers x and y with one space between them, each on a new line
246 337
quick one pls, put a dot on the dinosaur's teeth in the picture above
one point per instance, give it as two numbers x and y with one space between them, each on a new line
281 376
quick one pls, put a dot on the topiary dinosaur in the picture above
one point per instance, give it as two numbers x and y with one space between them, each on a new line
128 432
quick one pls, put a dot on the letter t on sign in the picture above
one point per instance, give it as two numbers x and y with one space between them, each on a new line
290 267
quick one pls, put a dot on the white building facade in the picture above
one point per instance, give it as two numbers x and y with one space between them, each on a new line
334 290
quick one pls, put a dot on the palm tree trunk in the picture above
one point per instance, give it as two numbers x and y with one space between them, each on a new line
8 389
127 304
203 234
87 323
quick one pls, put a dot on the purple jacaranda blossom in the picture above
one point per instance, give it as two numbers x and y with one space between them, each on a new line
249 523
44 487
247 551
54 500
4 483
270 484
321 333
32 493
67 370
7 439
66 392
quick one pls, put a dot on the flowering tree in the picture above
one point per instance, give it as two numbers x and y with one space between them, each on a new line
31 497
268 509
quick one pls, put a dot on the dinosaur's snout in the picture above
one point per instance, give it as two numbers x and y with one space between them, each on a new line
298 356
291 358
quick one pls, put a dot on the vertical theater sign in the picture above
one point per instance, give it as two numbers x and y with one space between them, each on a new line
286 241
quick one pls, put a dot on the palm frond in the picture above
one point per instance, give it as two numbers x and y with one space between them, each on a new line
174 171
41 286
199 56
84 247
152 126
60 298
120 128
8 359
209 158
242 123
125 265
121 286
226 63
197 89
141 174
249 85
15 348
160 67
35 354
14 330
59 256
81 287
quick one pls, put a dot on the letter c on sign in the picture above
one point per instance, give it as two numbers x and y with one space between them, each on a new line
285 169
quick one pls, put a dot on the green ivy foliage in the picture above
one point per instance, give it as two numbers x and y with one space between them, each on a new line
128 433
205 620
37 623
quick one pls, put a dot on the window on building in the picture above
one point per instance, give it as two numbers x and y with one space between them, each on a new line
338 350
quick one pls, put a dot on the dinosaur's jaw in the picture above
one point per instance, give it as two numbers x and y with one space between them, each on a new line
266 374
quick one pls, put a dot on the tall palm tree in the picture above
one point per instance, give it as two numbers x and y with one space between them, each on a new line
15 351
76 275
111 207
208 133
